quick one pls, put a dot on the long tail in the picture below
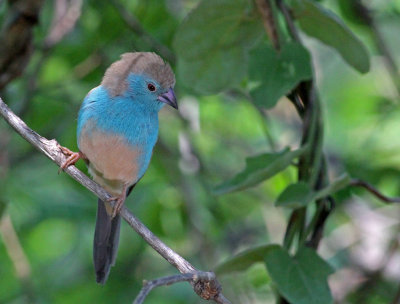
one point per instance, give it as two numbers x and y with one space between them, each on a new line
105 244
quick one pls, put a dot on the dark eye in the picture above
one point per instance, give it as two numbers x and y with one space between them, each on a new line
151 87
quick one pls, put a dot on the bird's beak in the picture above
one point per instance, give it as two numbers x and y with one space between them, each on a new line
169 98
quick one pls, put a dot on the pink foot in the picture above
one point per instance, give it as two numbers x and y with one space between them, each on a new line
119 201
73 157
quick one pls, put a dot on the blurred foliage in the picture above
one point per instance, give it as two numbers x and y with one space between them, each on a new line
281 73
220 48
212 44
258 169
322 24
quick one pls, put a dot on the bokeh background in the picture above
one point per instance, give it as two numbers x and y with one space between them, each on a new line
48 219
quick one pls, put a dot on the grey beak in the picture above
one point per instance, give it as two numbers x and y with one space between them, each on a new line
169 98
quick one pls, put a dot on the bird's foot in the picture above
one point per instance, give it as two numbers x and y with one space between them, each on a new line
119 203
73 157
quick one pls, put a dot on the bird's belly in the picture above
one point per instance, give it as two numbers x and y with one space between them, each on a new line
113 162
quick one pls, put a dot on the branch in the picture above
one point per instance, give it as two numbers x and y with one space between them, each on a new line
374 191
325 207
51 148
188 277
328 205
267 14
288 20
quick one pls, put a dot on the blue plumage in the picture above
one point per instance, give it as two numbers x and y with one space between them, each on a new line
132 115
117 130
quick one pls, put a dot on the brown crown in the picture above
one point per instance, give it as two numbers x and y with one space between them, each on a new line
149 64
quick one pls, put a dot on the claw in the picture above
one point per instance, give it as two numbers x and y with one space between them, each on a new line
73 157
119 202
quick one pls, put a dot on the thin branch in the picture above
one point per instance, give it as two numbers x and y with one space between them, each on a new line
325 207
148 286
51 149
288 20
267 14
374 191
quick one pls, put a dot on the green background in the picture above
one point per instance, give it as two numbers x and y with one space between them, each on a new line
200 147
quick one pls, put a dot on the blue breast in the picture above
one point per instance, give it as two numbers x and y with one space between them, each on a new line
122 115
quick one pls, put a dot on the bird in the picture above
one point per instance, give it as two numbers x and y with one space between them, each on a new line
117 130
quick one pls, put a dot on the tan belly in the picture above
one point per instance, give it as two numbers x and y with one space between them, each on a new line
113 163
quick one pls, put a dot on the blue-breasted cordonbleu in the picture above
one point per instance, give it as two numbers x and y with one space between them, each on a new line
117 130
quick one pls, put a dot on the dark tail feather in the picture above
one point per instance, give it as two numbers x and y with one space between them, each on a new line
105 245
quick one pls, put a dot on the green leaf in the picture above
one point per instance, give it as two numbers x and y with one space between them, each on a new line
320 23
295 196
301 279
214 73
300 194
258 169
212 44
243 260
275 73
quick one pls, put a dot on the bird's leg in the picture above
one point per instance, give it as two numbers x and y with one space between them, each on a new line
119 201
73 157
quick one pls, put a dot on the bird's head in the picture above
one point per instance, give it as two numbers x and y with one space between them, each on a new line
144 76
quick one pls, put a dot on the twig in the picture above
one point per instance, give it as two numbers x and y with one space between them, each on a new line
325 207
51 149
374 191
169 280
150 285
267 14
288 20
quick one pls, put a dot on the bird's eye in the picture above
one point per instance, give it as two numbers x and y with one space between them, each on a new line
151 87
